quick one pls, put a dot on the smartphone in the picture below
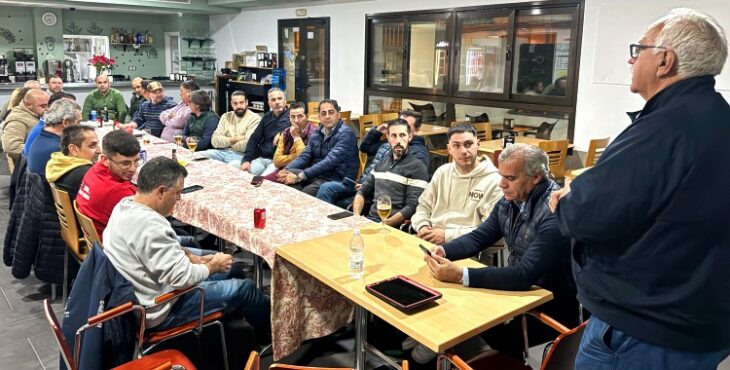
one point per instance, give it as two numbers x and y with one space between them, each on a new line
200 158
257 180
191 189
339 215
425 250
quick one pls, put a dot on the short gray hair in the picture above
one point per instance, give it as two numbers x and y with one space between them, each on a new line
536 161
60 110
273 90
697 39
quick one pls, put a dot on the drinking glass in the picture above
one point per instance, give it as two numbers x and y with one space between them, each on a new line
384 207
192 143
178 139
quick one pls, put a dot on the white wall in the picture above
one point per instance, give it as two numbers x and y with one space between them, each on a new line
608 28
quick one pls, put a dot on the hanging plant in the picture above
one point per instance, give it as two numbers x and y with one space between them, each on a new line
73 28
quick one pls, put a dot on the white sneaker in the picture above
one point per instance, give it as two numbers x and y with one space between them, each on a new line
422 355
408 344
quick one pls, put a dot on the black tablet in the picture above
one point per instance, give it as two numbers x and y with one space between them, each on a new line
403 293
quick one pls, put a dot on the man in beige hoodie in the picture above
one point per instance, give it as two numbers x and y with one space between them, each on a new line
234 129
18 124
461 193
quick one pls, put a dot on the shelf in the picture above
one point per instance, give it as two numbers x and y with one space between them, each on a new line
250 83
255 109
266 68
127 44
190 40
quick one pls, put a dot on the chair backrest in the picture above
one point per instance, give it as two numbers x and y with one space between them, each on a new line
556 151
479 118
67 219
484 131
545 129
313 108
562 352
58 335
345 116
595 150
363 159
87 227
387 117
367 121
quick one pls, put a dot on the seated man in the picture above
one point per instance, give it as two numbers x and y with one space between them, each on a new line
234 130
55 84
202 121
36 130
461 194
259 153
148 114
105 98
60 114
138 95
80 149
175 118
341 193
539 253
293 141
330 155
139 238
20 121
399 175
110 179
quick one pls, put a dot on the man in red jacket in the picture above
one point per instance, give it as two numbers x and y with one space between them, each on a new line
110 179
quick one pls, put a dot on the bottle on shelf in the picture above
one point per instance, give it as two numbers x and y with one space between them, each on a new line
356 262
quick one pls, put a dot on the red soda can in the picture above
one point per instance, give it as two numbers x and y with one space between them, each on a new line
259 217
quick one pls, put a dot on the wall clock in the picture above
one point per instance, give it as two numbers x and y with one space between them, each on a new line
49 19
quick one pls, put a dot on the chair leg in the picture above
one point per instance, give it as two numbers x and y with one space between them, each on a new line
54 294
65 276
524 338
223 344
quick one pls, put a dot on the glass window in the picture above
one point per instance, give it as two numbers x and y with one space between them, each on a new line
554 124
482 55
387 45
542 50
428 64
383 104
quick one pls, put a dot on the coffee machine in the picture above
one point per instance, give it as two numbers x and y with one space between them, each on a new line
4 75
69 71
53 67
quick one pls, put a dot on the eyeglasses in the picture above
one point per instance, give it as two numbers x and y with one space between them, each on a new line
635 49
125 165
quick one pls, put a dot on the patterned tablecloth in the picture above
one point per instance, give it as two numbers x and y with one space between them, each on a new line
302 307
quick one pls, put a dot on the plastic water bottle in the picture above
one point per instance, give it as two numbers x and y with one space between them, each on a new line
357 256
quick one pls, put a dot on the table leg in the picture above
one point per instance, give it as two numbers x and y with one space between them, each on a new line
258 271
361 336
443 363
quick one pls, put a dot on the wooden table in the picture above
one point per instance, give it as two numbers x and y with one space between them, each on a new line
428 129
460 314
491 147
515 130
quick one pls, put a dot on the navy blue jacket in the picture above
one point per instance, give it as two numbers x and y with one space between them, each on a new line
99 287
650 223
261 142
40 151
539 254
372 145
333 157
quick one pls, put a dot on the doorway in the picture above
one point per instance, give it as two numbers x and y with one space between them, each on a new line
172 52
304 52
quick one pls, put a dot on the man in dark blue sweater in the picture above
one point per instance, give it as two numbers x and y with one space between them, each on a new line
60 114
649 221
259 155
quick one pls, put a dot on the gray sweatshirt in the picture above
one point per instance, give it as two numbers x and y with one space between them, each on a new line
142 246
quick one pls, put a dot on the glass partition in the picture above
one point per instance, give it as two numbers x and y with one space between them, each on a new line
428 54
387 45
482 52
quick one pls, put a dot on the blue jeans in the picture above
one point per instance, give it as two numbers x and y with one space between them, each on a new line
222 294
232 157
262 166
333 191
604 347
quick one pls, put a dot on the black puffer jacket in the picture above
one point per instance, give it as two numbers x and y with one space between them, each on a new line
39 239
18 191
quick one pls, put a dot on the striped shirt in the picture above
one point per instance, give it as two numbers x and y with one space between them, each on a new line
148 114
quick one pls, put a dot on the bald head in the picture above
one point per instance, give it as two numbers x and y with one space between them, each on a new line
102 84
32 84
36 101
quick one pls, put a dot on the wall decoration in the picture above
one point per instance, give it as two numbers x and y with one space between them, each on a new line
95 29
7 35
72 28
49 19
50 43
152 53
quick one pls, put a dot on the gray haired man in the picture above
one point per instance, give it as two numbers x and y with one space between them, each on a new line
61 113
259 155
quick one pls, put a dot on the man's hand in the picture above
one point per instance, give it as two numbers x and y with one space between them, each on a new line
246 166
556 196
443 269
288 178
294 131
236 139
383 128
219 262
276 140
358 187
433 235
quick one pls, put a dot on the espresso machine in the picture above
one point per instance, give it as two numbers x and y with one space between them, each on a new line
53 67
69 71
4 75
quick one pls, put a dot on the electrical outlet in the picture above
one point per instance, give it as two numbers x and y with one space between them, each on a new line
132 68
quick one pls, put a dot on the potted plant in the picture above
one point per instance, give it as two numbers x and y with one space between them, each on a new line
102 64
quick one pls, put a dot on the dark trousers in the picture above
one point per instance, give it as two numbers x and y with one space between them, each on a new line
310 187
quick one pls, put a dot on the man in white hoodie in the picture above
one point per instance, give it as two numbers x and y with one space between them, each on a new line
461 193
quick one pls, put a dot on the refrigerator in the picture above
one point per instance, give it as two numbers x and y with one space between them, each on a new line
81 48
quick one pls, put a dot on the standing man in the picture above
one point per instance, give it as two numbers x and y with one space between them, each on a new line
55 84
137 96
649 222
234 130
259 155
105 97
148 114
20 121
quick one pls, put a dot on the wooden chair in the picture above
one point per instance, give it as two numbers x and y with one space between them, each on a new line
254 363
542 132
87 227
75 246
387 117
157 361
558 355
345 116
368 121
313 108
595 149
154 338
556 151
363 159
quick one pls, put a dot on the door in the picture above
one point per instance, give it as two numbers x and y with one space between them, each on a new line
304 50
172 52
